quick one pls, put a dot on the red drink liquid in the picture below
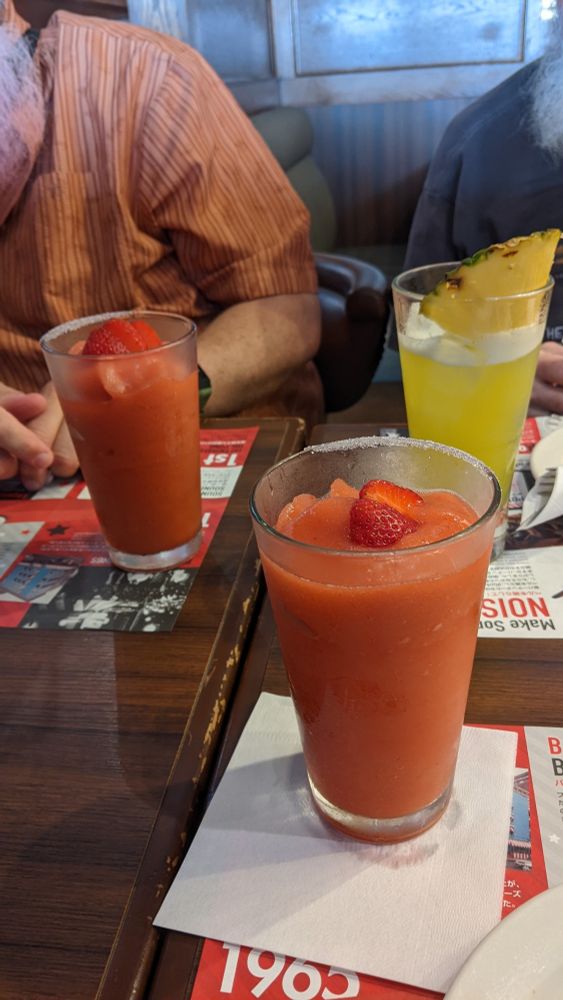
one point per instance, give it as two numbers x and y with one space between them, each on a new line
378 648
147 499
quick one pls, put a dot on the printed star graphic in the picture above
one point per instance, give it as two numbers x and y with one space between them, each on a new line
554 838
58 529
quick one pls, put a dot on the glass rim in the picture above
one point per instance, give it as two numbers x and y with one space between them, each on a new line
449 266
76 324
377 441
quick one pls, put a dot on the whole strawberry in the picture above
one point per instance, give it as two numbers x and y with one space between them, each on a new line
377 525
121 336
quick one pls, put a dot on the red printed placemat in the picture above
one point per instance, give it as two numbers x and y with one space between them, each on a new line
55 570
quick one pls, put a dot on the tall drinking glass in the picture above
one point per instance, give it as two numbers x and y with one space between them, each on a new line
134 421
471 392
379 644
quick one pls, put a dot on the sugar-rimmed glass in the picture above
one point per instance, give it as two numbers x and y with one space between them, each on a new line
134 420
378 645
471 392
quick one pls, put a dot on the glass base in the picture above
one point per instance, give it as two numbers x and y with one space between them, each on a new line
386 831
155 560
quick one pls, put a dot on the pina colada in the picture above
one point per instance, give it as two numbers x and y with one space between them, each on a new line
471 393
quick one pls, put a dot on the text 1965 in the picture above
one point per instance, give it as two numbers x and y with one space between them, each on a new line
299 980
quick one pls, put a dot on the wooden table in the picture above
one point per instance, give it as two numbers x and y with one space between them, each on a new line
514 681
108 737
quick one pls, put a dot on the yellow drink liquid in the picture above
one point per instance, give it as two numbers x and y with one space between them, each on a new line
469 397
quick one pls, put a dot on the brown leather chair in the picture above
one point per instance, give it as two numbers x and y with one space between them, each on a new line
354 295
354 300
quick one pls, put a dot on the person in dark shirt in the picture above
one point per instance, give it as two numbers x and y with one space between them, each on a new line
498 173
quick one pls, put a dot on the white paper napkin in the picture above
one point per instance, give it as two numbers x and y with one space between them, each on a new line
544 502
265 871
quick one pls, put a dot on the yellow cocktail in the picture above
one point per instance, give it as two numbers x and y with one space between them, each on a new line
473 399
468 360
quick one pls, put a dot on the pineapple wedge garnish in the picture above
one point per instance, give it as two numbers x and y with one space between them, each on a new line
464 301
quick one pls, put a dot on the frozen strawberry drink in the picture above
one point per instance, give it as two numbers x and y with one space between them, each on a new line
128 387
375 553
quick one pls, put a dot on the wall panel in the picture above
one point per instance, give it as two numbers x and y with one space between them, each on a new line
375 158
241 49
358 35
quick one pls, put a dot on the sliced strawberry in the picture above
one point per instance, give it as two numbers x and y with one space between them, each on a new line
377 525
399 497
149 335
114 331
103 341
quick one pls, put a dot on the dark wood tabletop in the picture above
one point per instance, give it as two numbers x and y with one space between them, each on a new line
514 682
107 738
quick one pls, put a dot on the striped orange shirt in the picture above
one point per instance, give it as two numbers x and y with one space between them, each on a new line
152 188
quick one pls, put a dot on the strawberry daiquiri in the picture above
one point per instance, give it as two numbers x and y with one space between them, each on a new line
128 387
375 553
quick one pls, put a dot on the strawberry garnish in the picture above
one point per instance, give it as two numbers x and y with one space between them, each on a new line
102 341
121 336
149 335
400 497
377 525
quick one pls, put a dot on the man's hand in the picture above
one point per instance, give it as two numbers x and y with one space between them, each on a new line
547 390
34 439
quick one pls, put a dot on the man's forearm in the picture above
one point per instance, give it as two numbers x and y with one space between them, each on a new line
250 349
